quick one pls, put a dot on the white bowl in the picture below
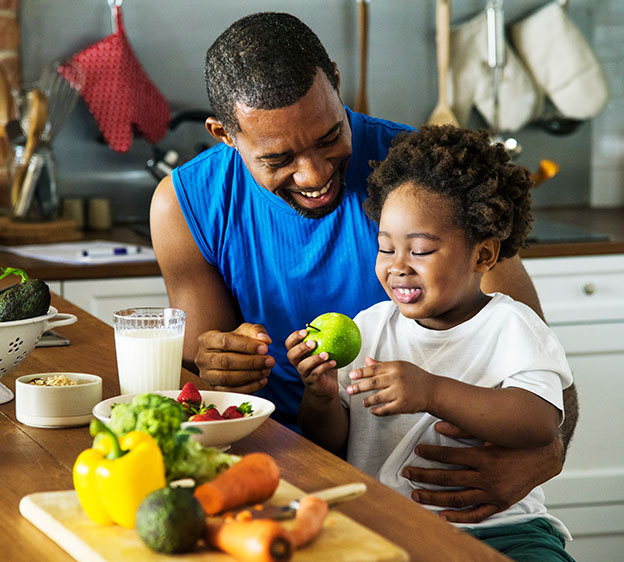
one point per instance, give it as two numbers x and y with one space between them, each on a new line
57 406
216 433
18 339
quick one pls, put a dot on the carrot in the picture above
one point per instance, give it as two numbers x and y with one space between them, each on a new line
309 520
259 540
252 479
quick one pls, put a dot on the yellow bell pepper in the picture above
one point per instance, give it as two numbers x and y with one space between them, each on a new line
114 477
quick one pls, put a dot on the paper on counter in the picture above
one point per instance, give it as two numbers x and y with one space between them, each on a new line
102 251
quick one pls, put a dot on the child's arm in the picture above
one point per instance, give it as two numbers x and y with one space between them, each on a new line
508 417
322 417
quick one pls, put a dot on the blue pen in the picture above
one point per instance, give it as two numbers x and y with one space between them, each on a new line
111 252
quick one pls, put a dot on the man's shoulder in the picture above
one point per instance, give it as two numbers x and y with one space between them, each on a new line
219 155
376 126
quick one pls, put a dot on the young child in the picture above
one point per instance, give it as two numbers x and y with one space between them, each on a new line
449 207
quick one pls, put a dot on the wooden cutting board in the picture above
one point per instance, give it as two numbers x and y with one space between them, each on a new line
59 515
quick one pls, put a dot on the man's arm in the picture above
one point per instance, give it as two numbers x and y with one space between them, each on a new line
229 354
193 285
510 277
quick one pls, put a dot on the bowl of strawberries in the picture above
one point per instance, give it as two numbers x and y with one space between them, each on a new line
221 417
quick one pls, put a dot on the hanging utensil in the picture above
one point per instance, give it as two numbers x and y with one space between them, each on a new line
496 62
62 94
37 119
6 156
442 113
361 99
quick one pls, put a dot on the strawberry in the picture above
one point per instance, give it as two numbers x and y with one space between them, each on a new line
190 395
209 415
233 412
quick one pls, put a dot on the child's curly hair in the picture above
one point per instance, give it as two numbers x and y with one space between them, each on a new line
491 194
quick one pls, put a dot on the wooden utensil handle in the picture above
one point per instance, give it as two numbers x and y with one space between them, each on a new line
341 493
361 102
443 35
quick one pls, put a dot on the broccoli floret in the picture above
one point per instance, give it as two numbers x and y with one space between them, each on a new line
162 418
157 415
123 418
192 459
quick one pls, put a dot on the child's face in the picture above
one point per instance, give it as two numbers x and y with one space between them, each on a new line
425 262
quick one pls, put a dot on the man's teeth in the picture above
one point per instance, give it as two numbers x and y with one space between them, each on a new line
315 194
402 291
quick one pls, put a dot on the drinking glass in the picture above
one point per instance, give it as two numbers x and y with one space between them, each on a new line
148 343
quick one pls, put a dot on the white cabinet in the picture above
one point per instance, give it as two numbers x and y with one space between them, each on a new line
102 297
583 301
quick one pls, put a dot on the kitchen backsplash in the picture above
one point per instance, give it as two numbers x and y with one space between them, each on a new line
170 40
607 163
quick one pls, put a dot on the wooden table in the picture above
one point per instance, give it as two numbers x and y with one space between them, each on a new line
35 460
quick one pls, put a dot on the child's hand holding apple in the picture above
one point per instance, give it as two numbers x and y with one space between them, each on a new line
330 341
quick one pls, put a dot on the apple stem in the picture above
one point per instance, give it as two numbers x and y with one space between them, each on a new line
313 327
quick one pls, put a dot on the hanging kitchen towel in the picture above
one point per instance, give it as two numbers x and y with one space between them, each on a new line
118 92
519 98
561 61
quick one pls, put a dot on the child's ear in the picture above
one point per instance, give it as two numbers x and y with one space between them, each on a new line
487 254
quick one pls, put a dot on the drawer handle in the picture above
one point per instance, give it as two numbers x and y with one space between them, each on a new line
589 288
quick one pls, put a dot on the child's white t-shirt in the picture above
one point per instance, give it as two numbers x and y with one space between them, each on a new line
506 344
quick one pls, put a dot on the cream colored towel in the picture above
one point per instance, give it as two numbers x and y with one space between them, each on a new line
519 98
561 62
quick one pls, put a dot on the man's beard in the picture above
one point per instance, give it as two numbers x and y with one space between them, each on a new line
320 211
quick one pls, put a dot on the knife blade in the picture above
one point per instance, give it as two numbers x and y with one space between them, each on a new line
332 496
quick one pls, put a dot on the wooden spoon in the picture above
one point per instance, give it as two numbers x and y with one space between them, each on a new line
442 113
6 113
37 118
361 99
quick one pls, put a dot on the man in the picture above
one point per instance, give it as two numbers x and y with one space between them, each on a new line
263 232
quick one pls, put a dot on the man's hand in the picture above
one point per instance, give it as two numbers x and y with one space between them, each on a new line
235 361
494 477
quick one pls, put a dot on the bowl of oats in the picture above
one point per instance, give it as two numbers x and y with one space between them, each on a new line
56 399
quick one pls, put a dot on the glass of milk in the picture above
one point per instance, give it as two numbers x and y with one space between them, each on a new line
148 342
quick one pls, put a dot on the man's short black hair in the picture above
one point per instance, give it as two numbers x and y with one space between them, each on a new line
266 60
491 195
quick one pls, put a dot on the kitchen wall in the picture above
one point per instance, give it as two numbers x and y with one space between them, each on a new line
170 39
607 163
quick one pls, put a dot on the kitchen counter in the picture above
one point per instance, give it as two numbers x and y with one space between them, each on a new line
36 460
609 222
50 271
593 222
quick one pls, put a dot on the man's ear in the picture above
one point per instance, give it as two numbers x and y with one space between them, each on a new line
217 130
487 254
337 75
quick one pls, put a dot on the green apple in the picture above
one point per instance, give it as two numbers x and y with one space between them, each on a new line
336 334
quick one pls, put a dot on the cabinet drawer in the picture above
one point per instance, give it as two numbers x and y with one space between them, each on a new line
598 337
102 297
582 289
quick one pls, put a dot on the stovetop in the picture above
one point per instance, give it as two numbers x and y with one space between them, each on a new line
548 231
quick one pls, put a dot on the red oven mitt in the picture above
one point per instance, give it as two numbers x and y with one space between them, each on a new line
118 92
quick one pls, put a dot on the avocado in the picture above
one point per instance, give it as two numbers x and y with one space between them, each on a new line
25 300
170 520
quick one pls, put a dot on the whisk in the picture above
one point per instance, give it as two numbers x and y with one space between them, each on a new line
62 95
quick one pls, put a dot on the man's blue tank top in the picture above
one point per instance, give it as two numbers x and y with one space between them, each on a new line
282 268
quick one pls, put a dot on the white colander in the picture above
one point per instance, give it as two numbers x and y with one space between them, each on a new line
18 338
